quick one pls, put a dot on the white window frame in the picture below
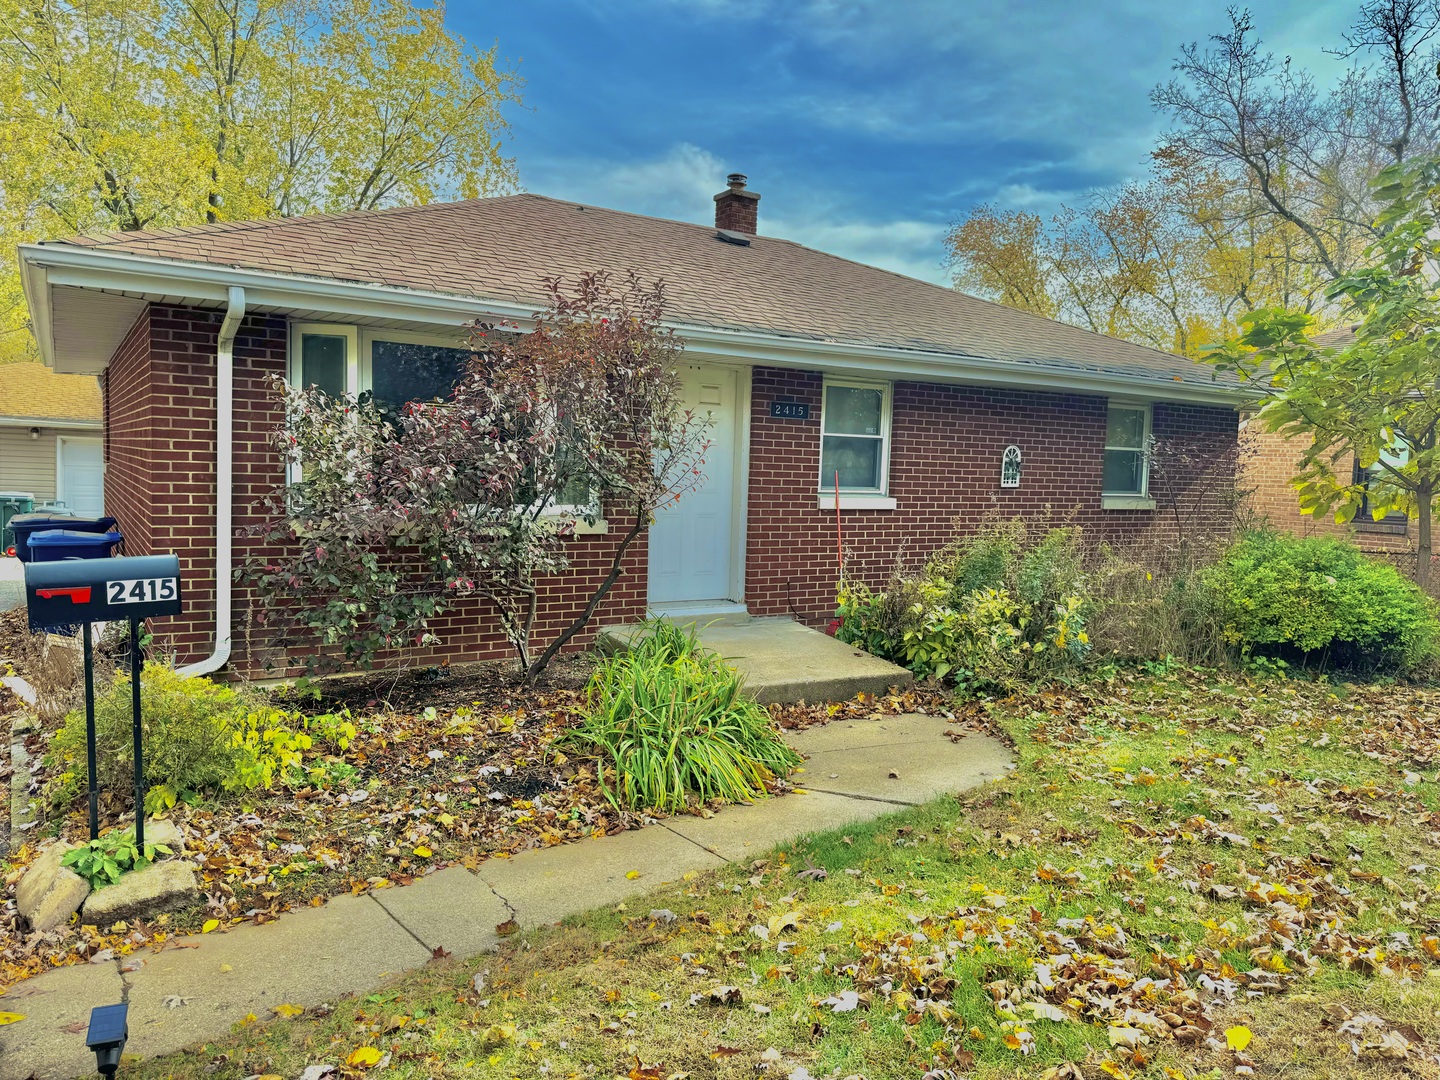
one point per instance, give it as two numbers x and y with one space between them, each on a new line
1130 500
350 333
877 498
359 357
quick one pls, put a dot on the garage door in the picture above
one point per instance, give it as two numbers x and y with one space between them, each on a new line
81 476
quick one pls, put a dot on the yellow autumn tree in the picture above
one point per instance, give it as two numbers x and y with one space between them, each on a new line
118 115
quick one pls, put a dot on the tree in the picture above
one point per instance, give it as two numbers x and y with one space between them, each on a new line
1257 195
1308 155
1168 260
1374 402
395 519
118 115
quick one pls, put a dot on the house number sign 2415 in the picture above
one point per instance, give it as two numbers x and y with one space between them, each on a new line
790 410
140 590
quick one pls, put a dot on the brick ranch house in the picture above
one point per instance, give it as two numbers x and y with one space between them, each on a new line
809 364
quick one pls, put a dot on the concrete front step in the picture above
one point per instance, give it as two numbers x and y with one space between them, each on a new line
786 661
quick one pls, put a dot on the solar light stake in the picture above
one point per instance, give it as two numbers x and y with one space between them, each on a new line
107 1035
94 791
135 725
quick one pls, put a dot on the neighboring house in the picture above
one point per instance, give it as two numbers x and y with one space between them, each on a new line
808 364
50 437
1270 464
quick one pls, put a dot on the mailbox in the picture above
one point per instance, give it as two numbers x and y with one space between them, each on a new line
84 591
131 587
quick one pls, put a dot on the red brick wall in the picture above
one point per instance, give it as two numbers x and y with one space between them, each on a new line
944 467
160 483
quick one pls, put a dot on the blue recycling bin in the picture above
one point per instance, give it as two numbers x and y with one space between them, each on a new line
23 526
56 545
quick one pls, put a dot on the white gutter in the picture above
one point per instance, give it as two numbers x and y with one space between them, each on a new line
52 423
47 265
224 481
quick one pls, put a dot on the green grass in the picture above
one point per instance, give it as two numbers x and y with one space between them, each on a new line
671 724
1136 806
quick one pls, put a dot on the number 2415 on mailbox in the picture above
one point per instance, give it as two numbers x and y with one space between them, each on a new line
140 590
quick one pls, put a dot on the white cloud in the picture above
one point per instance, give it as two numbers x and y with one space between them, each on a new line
912 248
680 184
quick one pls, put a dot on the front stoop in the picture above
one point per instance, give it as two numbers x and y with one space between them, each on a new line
785 661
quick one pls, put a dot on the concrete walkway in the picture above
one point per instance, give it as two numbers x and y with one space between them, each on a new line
784 661
353 943
12 583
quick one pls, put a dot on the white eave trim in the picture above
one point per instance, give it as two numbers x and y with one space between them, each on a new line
45 265
52 423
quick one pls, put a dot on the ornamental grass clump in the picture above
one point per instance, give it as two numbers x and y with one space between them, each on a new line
670 722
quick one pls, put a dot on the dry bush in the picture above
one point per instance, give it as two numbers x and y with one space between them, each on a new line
53 667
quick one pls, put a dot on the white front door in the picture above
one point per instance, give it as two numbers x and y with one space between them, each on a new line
80 476
691 542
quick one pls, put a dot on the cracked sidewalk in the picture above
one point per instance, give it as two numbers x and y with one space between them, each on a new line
856 770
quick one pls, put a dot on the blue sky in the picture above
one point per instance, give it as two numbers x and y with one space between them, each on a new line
866 125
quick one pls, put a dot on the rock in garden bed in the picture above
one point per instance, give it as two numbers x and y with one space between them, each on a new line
49 893
168 885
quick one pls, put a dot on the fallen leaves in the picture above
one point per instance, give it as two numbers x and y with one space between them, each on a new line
363 1057
10 1018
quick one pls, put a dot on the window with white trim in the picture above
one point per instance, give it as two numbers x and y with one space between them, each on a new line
855 437
1127 450
394 367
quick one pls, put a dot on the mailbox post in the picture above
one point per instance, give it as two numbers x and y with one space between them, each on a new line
85 591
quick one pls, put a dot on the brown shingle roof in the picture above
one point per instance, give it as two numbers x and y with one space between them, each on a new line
35 392
1335 339
501 248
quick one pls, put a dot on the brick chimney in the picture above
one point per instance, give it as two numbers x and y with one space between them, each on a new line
735 208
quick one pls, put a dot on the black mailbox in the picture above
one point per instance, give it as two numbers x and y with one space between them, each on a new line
131 587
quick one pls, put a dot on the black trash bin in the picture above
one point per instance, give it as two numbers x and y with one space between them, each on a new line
56 545
22 526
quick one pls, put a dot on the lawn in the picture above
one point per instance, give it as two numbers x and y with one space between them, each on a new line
1189 874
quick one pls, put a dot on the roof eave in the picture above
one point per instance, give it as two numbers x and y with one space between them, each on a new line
35 286
50 422
48 265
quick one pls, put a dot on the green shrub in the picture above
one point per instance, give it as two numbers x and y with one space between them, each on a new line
672 721
270 745
198 736
103 860
1051 571
187 726
986 611
909 624
1322 596
979 562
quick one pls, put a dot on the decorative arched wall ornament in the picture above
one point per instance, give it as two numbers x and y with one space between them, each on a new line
1010 467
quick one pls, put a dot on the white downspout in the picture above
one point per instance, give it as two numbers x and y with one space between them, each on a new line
224 482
